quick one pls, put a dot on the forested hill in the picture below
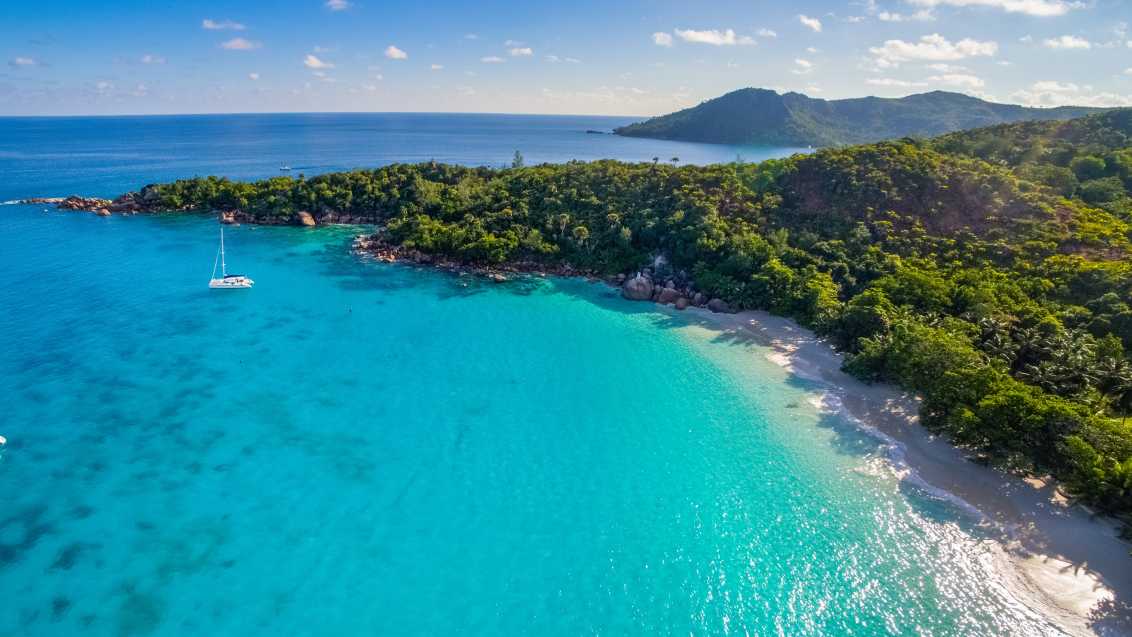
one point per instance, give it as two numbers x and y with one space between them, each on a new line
989 271
763 117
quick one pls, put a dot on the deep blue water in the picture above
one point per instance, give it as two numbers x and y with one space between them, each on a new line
106 156
357 448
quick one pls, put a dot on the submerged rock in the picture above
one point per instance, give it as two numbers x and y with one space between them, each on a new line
638 288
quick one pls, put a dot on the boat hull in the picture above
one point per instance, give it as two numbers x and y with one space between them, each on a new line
231 284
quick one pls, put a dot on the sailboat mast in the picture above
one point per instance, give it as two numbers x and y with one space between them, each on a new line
223 266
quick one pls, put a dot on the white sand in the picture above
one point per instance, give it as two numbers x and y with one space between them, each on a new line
1070 562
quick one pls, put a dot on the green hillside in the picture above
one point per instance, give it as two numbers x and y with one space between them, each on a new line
763 117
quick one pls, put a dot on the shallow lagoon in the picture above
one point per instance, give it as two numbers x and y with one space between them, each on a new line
360 448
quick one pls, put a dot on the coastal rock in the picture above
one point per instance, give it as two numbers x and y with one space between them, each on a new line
228 217
682 303
667 295
305 218
718 306
497 277
102 212
698 299
90 204
638 288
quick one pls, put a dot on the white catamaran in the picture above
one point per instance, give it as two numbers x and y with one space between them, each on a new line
226 281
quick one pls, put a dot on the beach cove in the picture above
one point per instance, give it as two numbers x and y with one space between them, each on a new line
408 451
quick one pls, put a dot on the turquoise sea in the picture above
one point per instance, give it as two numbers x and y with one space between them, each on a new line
353 448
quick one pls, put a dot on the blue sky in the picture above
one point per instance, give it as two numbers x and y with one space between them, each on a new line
632 57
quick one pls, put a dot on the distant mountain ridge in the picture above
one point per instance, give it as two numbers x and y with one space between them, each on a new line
764 117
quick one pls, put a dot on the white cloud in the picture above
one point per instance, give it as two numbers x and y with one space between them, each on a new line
520 51
960 80
152 59
766 33
393 53
713 37
1041 8
23 61
471 36
947 68
222 25
924 15
930 48
571 60
888 81
660 38
803 66
436 67
253 76
240 44
313 62
811 23
337 5
812 50
1052 93
103 87
1067 42
492 59
1128 71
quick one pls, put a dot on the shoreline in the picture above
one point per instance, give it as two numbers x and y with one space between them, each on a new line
1069 559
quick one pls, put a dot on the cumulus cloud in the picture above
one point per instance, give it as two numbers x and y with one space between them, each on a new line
492 59
1053 93
811 23
221 25
149 58
436 67
393 53
660 38
766 33
240 44
520 51
1067 42
713 37
802 67
930 48
313 62
253 76
337 5
23 62
961 80
1040 8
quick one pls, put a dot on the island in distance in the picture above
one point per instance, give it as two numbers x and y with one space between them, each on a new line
766 118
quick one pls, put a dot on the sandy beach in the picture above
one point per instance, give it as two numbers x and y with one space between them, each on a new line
1059 555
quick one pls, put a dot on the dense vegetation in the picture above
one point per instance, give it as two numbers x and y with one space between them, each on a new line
988 271
763 117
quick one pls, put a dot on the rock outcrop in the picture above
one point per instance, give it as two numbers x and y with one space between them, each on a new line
667 295
638 288
718 306
305 218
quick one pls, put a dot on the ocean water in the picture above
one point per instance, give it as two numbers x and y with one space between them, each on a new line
353 448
